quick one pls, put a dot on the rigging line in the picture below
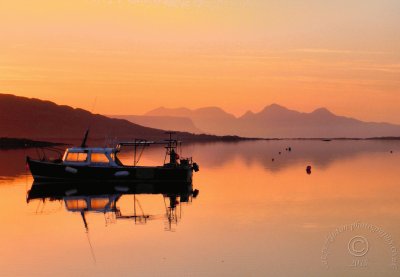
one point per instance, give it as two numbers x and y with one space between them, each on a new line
140 155
61 206
105 219
37 208
134 206
140 207
91 247
88 237
92 111
26 173
44 204
94 104
165 204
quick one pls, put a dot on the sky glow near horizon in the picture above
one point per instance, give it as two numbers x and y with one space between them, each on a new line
135 55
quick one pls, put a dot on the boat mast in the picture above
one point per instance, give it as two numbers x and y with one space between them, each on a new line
171 146
83 145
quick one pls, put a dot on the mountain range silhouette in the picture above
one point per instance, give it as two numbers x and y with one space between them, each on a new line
276 121
22 117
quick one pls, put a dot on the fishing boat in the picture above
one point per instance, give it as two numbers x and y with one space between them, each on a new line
102 164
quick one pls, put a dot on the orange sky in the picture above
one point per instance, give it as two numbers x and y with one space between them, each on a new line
136 55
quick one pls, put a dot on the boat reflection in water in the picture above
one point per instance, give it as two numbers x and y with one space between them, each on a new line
103 198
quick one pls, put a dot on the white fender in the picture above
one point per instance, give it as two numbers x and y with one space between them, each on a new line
70 192
121 173
71 170
121 189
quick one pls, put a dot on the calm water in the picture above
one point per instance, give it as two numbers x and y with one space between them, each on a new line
252 217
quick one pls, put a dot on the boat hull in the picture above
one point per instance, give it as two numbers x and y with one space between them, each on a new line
59 191
43 171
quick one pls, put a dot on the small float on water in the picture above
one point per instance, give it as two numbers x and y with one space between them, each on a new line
102 164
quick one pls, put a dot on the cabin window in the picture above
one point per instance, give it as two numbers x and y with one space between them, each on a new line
76 157
100 203
76 204
100 158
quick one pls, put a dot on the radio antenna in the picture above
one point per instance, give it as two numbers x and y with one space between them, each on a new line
83 144
94 105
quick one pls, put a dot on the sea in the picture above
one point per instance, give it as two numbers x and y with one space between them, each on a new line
255 208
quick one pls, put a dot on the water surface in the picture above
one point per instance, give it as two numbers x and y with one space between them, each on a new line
254 216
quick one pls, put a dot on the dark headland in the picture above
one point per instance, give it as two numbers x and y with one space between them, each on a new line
16 143
30 119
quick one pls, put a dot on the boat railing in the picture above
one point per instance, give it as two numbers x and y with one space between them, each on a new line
143 142
43 153
140 144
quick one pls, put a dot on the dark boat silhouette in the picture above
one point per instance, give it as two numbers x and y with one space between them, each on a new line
42 190
102 164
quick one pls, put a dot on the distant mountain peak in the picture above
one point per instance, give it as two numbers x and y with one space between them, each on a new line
211 111
248 113
322 110
163 111
276 109
275 106
211 108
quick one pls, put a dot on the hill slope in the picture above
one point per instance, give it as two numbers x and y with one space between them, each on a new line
183 124
22 117
212 120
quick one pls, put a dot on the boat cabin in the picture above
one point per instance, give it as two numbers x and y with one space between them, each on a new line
91 156
102 203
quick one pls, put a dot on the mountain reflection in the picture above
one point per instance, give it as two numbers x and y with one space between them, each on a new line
274 156
319 153
105 198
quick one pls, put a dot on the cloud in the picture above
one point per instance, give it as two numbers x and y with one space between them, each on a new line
337 51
